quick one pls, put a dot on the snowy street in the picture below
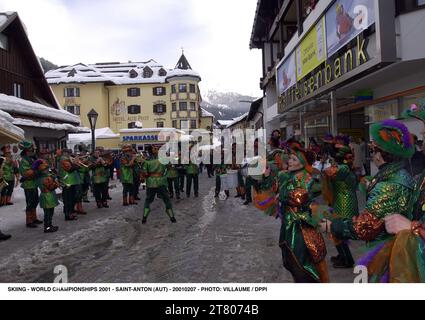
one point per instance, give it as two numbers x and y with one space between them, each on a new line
213 242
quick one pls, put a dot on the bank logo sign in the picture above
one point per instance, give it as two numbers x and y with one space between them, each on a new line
318 60
140 138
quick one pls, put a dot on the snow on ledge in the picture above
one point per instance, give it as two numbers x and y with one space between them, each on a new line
6 122
28 108
48 125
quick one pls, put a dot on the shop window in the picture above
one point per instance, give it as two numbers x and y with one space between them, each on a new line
174 106
18 90
72 92
382 111
192 106
182 87
159 91
4 42
173 89
192 88
74 110
134 109
133 92
193 124
160 108
183 106
160 124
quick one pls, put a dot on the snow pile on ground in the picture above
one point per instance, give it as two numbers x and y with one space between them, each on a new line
23 107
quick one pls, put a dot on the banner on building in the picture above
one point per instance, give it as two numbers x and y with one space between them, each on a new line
286 74
345 20
312 50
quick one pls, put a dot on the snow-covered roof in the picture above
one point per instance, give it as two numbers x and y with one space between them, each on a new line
205 113
103 133
116 73
236 120
6 18
6 124
17 106
224 122
49 125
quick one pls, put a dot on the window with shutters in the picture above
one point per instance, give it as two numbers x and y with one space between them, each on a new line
159 91
182 87
73 109
193 124
173 89
183 106
174 106
175 124
159 108
18 90
192 106
133 92
72 92
160 124
192 88
134 109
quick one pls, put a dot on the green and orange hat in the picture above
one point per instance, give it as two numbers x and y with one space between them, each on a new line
416 112
393 137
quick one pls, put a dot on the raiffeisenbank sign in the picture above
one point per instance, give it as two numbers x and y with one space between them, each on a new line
333 49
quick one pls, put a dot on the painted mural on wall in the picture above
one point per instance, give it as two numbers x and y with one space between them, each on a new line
121 117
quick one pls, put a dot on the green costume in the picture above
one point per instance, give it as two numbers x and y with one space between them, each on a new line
156 183
127 177
303 247
192 174
100 180
219 171
9 171
343 184
48 198
173 181
29 184
70 180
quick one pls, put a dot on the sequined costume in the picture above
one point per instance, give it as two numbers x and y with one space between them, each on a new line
343 184
303 247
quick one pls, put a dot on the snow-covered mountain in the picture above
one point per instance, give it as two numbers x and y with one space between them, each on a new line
226 105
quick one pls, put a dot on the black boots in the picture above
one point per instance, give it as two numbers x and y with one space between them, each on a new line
51 229
344 260
4 237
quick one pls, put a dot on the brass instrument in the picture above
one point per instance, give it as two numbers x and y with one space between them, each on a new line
79 161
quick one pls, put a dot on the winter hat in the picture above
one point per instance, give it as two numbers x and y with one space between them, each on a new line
393 137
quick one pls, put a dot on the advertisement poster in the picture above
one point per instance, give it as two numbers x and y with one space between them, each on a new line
345 20
286 74
312 50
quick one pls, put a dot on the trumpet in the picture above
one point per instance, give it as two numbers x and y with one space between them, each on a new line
79 161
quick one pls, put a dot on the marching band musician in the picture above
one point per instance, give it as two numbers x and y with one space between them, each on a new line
173 181
83 180
192 176
128 159
29 183
47 183
136 176
100 178
84 172
70 179
156 179
10 175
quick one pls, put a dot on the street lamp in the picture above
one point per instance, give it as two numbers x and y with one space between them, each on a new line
92 115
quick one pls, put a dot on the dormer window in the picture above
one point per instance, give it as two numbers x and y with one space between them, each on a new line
147 72
72 73
162 72
133 74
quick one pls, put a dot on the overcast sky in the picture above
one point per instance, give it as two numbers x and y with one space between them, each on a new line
214 34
